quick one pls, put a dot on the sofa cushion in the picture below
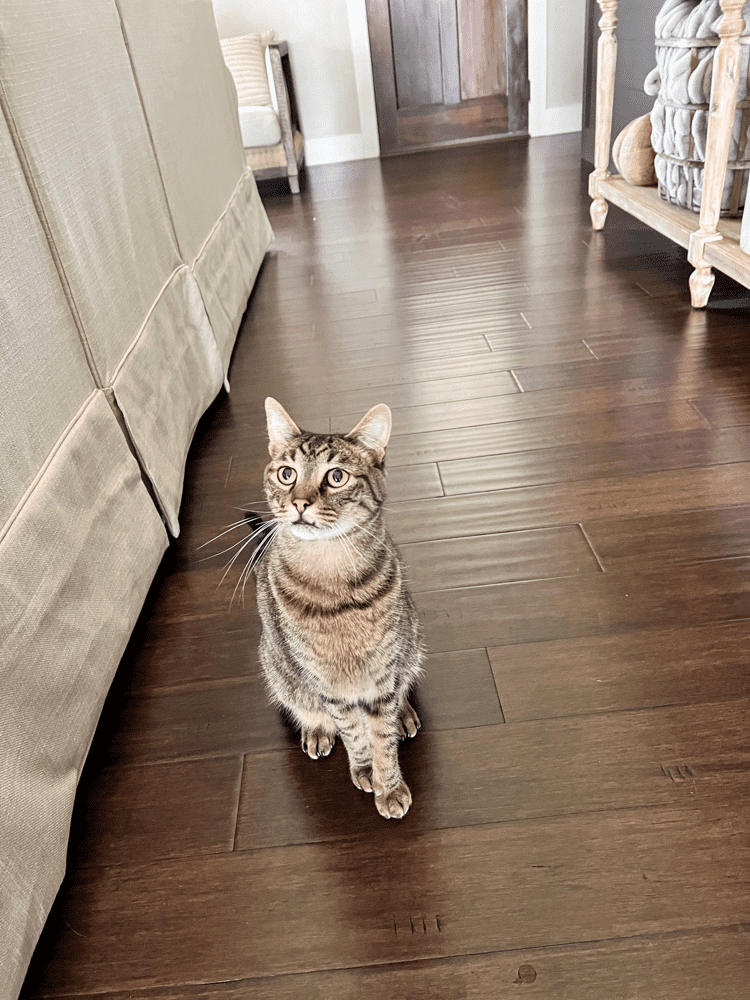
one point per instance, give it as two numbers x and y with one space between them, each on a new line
245 57
191 118
259 126
75 567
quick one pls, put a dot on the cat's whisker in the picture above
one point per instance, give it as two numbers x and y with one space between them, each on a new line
215 555
254 559
230 527
266 524
348 550
371 533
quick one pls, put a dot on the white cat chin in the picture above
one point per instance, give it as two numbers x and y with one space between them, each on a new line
310 533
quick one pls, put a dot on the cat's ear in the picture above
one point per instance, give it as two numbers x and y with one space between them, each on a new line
373 430
281 428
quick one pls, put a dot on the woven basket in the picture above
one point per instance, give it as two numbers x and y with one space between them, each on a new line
686 42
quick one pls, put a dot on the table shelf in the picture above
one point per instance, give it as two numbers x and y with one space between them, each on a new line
711 241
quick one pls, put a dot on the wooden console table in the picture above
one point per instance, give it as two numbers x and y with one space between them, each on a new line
710 240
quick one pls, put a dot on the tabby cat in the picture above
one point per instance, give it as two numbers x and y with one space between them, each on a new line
341 643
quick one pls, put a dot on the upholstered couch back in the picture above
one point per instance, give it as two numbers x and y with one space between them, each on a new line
131 234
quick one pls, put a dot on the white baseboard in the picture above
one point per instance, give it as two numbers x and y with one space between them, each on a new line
338 149
554 121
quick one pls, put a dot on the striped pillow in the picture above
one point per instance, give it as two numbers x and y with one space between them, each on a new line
245 58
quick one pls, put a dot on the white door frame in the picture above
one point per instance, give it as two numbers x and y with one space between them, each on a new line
544 120
358 30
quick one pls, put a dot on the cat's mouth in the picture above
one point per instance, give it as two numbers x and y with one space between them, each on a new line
309 529
302 528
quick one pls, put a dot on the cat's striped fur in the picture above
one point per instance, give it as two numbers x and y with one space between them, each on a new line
341 642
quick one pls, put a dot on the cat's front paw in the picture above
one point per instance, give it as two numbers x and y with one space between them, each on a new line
408 721
395 803
317 743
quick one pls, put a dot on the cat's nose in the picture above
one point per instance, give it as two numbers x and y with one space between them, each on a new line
300 503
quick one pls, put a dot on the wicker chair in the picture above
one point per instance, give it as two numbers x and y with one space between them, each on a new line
272 137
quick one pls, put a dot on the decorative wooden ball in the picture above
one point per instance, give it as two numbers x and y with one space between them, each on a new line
633 153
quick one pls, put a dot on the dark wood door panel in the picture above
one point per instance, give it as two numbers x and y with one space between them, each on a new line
448 72
415 35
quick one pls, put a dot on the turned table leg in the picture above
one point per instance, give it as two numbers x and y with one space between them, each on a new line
723 104
605 93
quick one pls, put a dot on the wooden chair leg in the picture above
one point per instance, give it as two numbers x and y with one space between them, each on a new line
287 114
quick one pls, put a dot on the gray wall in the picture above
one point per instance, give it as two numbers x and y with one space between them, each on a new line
635 59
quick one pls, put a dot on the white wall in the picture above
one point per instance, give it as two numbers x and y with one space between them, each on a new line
556 49
330 55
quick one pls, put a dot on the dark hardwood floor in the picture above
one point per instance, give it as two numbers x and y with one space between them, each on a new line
570 487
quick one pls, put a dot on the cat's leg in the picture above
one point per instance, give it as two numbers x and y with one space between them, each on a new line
408 720
371 735
354 733
392 795
317 730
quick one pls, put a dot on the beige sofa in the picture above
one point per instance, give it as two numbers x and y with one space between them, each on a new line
131 234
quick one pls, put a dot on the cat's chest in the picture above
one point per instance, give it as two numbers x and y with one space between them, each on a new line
346 640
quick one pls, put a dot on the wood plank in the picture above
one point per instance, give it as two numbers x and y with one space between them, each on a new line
460 778
727 411
428 126
457 690
569 503
542 432
498 558
641 668
688 374
415 37
486 371
481 46
592 604
576 879
413 343
404 393
129 815
524 406
383 71
685 346
191 722
167 662
680 966
449 51
414 482
234 716
570 463
689 537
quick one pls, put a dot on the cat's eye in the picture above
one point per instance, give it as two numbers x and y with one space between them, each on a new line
337 477
286 475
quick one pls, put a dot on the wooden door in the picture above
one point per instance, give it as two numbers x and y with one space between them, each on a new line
448 71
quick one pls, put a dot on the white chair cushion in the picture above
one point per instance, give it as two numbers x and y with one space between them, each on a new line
259 126
245 58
